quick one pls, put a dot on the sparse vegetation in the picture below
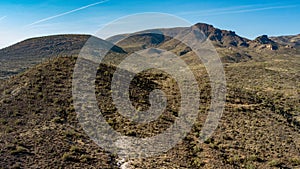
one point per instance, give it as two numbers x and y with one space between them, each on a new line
259 127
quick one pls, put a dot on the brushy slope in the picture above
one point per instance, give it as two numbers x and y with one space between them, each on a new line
258 128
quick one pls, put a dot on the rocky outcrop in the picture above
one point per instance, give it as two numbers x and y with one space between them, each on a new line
264 42
222 38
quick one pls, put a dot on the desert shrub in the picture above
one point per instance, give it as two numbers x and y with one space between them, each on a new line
274 163
19 122
197 162
85 158
3 121
75 149
19 150
58 120
295 161
234 160
68 157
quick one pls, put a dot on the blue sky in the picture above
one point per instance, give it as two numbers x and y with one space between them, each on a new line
21 19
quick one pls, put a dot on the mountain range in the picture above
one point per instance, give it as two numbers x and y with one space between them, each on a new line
18 57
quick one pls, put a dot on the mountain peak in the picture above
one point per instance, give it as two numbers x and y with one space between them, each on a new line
266 42
264 39
204 26
223 38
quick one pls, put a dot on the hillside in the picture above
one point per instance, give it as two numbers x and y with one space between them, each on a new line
18 57
259 128
288 41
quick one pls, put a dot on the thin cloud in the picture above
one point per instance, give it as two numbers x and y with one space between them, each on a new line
250 10
217 10
3 17
66 13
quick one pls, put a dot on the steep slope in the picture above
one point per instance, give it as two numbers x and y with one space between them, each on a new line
222 38
264 42
38 122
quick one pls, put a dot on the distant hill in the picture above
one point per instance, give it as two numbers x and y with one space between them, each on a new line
23 55
230 46
45 46
219 37
288 41
20 56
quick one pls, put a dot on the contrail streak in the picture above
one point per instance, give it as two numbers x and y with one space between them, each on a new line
65 13
217 10
250 10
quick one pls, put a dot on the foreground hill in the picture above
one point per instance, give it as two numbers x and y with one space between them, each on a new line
259 128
